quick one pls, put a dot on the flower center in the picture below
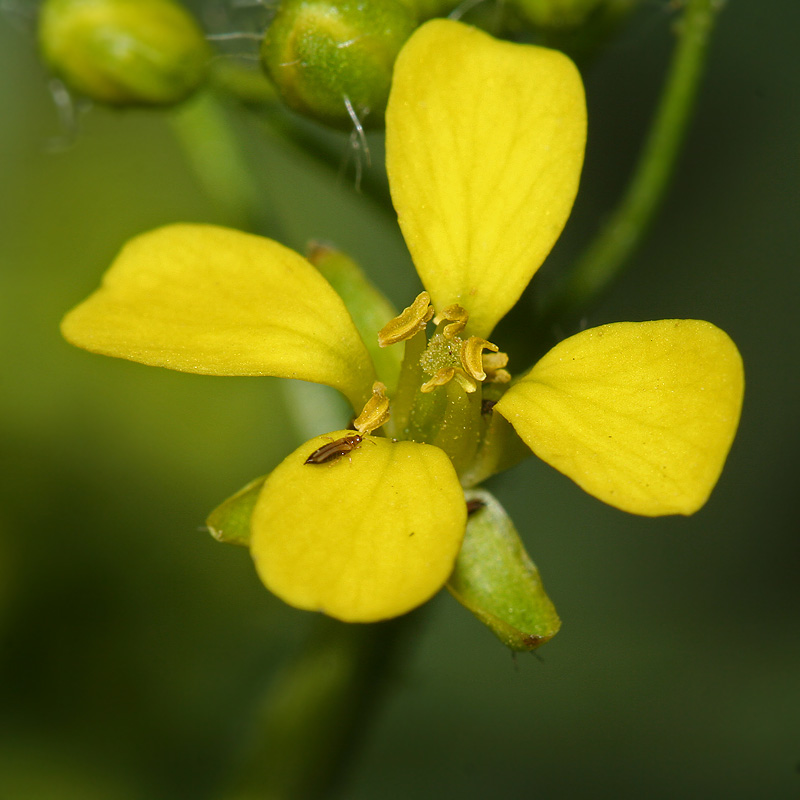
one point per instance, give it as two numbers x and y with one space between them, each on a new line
447 356
441 353
449 418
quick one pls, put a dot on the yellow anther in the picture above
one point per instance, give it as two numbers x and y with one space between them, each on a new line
447 374
376 410
408 322
467 383
442 377
501 376
494 361
493 364
459 316
471 356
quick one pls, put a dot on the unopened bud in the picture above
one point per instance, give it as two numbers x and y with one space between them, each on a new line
124 52
332 59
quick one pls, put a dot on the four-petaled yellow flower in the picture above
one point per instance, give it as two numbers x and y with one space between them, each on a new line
485 143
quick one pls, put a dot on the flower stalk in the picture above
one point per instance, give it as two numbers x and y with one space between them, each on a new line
317 710
215 155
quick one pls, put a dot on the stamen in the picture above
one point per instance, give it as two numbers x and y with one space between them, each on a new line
376 410
442 377
467 384
409 322
447 374
471 356
501 376
459 316
493 364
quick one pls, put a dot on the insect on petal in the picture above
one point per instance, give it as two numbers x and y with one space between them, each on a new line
364 536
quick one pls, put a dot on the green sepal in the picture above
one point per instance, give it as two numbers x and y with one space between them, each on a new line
368 307
497 581
230 521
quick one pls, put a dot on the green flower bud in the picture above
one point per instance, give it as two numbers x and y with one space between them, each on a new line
124 52
322 53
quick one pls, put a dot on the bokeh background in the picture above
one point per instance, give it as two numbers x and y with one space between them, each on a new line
133 647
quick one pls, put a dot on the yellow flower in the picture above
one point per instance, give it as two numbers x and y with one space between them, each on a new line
485 144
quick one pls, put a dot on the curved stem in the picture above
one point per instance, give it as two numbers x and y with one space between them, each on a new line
215 155
604 259
583 42
326 147
310 140
318 709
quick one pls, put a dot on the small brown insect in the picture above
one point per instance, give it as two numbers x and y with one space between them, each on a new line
336 449
487 406
474 505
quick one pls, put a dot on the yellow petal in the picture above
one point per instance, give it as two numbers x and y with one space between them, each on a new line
639 414
484 147
365 536
199 298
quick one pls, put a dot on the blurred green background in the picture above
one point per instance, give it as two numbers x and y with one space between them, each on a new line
133 647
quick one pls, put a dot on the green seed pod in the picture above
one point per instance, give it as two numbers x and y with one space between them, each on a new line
322 53
124 52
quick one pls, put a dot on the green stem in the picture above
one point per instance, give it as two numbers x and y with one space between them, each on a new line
214 152
328 149
605 258
247 84
318 710
309 140
585 41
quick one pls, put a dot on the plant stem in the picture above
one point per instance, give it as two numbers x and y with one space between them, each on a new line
329 149
603 261
318 710
215 155
307 139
